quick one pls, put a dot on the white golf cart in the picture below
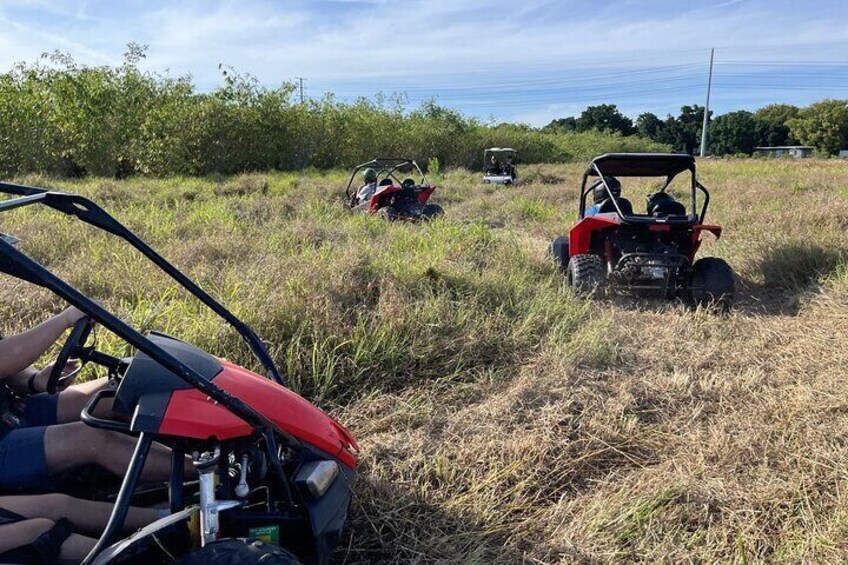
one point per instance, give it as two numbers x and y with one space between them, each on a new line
499 166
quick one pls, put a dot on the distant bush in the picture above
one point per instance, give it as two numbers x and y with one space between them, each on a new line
582 146
63 118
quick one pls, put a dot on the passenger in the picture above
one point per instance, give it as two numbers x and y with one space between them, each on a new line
367 190
40 434
54 528
509 168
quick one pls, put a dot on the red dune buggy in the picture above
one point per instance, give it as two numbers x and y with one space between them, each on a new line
271 465
613 246
384 192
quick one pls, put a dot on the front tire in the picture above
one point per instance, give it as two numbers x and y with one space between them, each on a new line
587 275
239 551
712 283
432 211
389 213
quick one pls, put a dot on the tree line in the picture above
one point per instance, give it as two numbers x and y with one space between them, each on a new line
64 118
823 126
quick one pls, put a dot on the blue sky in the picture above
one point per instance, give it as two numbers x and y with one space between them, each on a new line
510 60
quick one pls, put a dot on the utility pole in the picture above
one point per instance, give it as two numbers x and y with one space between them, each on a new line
707 106
300 79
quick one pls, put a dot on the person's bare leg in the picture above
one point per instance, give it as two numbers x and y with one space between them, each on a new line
12 536
67 446
22 533
86 515
73 399
76 548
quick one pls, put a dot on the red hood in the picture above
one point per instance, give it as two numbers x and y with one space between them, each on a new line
191 413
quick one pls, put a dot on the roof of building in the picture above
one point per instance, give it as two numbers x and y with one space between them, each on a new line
784 147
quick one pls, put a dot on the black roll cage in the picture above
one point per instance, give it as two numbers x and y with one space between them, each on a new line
19 265
596 170
385 166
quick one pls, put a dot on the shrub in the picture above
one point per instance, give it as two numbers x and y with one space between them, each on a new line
63 118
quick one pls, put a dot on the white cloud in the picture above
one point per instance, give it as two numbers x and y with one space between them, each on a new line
368 45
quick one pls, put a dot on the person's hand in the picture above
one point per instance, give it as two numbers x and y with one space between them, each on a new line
41 378
71 316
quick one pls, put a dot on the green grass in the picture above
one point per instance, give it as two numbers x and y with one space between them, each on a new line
500 417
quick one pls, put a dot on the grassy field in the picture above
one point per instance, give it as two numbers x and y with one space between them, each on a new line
501 419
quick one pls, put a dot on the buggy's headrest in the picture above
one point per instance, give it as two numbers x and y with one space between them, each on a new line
607 206
599 193
386 182
662 204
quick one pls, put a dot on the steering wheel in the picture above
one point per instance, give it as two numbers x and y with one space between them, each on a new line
73 349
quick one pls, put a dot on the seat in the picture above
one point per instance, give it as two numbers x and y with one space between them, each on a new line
662 205
385 182
608 206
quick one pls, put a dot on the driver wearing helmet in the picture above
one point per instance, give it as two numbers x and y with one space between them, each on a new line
495 166
600 195
40 434
367 190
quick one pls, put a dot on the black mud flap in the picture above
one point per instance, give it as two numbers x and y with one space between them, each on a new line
559 251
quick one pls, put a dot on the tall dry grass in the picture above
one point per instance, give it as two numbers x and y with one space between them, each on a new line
502 419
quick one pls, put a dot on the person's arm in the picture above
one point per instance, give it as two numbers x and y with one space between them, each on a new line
20 351
19 381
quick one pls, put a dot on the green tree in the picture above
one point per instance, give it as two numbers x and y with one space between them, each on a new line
684 132
735 132
823 125
561 124
650 126
605 117
771 124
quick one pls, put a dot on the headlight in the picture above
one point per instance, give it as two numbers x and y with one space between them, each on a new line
317 476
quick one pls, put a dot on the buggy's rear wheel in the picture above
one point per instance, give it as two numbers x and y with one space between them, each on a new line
712 283
587 275
432 211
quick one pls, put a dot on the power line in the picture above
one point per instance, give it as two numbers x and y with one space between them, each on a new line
566 86
600 85
503 85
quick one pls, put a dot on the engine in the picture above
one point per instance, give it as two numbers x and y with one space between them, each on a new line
647 261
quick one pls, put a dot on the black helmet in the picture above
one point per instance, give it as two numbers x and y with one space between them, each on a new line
600 193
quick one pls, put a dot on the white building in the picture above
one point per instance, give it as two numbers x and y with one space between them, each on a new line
797 151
